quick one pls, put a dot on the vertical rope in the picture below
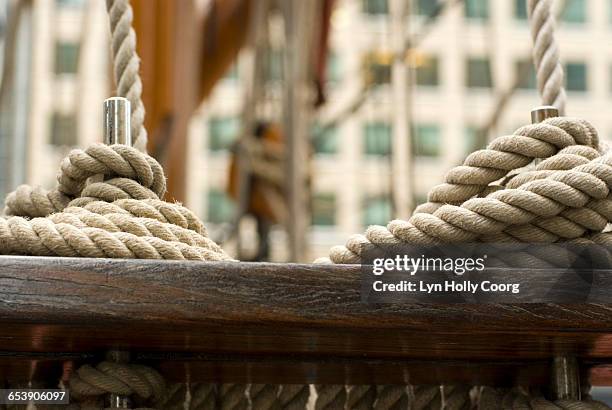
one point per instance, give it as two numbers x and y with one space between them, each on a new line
546 59
126 66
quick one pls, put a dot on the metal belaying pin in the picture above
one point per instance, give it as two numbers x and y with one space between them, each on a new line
118 401
117 129
565 371
565 380
543 112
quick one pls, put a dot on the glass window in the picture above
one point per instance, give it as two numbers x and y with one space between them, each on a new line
220 207
420 198
520 9
325 141
324 209
66 58
478 73
525 75
377 138
378 67
427 71
477 9
574 11
232 73
63 130
334 74
474 139
222 132
426 7
69 3
375 7
274 66
576 76
377 211
426 140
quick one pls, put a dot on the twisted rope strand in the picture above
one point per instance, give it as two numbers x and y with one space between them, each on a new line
293 396
546 58
126 64
508 153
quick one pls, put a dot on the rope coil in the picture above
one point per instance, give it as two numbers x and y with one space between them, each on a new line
122 217
565 198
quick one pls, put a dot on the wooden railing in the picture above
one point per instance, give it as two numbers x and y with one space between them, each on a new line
278 323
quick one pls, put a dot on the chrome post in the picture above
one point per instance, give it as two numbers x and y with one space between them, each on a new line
543 112
565 378
118 401
117 121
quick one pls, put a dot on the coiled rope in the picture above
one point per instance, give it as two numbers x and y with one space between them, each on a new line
566 197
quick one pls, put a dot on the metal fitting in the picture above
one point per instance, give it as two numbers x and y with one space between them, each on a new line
543 112
117 129
565 378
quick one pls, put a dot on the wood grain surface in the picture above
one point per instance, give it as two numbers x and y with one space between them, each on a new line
260 322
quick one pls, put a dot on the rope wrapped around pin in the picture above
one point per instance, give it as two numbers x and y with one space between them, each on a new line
143 383
120 217
566 197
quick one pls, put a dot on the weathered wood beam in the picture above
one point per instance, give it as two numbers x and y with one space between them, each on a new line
242 317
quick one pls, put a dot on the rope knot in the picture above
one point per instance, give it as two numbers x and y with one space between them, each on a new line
129 173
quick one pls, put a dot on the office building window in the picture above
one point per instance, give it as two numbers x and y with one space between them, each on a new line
426 7
427 71
69 3
525 75
66 58
273 66
375 7
232 73
377 138
378 68
477 9
220 207
63 130
478 73
324 209
426 140
325 141
520 9
574 11
474 139
222 132
334 70
576 76
376 211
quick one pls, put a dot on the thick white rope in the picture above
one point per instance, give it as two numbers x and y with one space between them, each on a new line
126 64
549 70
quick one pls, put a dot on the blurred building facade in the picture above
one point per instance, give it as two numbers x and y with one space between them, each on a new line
473 53
62 78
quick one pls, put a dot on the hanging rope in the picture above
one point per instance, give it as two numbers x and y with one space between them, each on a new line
126 64
549 71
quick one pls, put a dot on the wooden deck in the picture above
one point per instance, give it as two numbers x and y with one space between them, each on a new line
273 323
